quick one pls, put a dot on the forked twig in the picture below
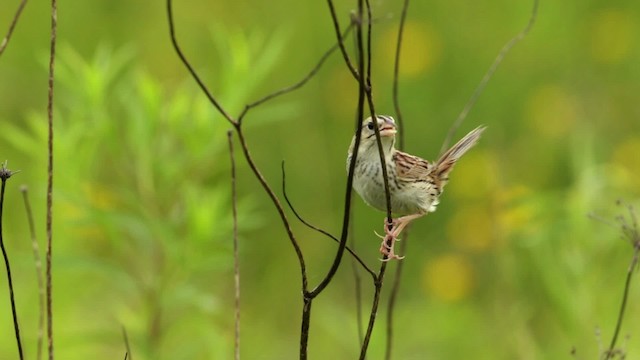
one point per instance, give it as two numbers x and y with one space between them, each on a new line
14 21
487 76
38 264
52 57
236 262
5 174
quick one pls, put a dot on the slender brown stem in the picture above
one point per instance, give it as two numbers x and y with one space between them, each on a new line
625 296
347 207
395 289
4 175
630 231
301 82
396 71
374 310
321 231
357 284
14 21
38 264
487 76
236 262
52 57
343 50
125 337
187 64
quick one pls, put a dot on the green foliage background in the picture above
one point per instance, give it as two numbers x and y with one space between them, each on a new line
509 267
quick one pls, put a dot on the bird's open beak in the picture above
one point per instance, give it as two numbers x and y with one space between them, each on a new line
387 130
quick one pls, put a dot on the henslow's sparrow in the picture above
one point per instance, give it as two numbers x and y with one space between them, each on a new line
415 184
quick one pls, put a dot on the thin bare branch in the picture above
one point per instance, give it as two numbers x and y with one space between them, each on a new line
357 284
38 265
396 71
322 231
5 174
187 64
347 207
343 50
632 233
52 57
298 84
487 76
14 21
236 262
395 289
125 337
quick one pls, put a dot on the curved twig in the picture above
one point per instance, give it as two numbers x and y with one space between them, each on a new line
487 76
396 71
347 207
298 84
322 231
5 174
343 50
187 64
12 26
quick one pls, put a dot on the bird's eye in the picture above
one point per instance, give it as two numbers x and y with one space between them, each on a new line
370 125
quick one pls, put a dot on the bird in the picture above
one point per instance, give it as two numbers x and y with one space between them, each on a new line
415 184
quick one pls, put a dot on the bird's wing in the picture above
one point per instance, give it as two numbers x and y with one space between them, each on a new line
411 167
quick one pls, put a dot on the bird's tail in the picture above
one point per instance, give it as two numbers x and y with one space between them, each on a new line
449 158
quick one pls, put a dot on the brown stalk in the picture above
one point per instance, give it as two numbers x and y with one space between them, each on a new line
488 75
236 262
395 287
5 174
52 56
14 21
38 264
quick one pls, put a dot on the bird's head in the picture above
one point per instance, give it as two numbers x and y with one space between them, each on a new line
387 128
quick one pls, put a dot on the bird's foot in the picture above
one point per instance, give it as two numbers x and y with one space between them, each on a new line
386 248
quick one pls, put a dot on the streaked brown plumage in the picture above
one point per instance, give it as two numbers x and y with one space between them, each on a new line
415 184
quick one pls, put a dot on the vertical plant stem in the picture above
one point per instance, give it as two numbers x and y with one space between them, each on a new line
395 289
396 72
634 262
38 265
127 354
488 75
52 53
236 262
357 283
5 41
374 310
4 175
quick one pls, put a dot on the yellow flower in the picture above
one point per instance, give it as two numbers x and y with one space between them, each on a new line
612 36
449 277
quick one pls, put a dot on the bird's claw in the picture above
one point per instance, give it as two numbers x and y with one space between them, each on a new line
387 249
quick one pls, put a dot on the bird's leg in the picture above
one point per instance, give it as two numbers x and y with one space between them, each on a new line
400 223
